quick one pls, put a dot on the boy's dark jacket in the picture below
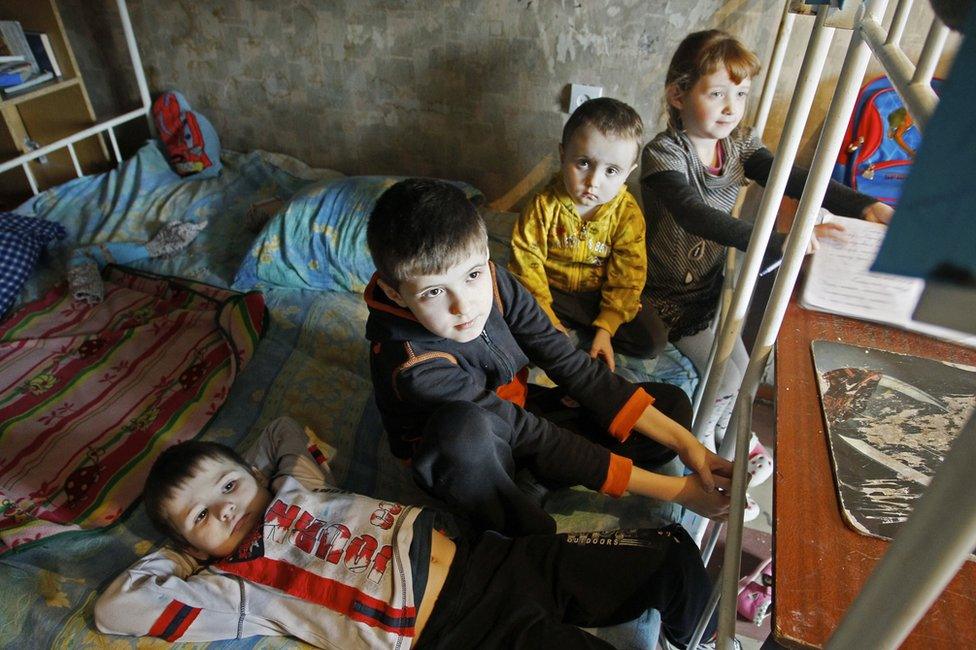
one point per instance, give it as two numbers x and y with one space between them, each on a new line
415 371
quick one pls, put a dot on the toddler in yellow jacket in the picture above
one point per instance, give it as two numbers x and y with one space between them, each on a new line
579 247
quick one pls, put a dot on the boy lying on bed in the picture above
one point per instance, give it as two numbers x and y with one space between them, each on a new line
451 334
270 546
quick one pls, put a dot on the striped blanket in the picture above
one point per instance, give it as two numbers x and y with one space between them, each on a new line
89 395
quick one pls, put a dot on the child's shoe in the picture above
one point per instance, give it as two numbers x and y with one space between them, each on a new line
173 237
752 509
85 282
756 593
760 466
711 645
704 645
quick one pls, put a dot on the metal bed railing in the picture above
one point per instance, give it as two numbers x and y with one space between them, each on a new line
733 317
891 602
770 81
68 142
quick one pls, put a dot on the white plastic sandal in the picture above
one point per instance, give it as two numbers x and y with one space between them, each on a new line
752 509
760 465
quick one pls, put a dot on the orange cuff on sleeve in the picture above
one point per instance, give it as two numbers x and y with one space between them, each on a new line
618 476
627 417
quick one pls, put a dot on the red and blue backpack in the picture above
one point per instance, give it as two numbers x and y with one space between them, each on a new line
187 138
880 144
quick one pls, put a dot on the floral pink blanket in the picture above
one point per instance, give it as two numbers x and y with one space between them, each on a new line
89 395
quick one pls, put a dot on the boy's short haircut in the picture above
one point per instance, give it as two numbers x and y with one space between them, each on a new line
171 470
422 226
611 117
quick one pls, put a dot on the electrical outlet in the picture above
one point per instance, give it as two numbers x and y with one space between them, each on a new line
579 93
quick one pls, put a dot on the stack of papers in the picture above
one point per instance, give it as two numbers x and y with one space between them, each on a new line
839 282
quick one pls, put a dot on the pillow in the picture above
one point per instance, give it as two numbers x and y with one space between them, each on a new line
188 138
318 239
21 241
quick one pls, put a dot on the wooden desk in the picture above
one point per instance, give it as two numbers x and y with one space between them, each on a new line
821 564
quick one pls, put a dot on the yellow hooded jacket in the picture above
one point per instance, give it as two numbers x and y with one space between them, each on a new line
553 245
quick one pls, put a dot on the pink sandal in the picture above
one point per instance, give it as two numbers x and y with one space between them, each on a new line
760 466
756 593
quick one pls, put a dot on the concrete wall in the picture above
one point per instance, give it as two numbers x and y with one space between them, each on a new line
465 89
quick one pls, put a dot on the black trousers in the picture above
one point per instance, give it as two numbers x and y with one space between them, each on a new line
469 456
643 337
531 592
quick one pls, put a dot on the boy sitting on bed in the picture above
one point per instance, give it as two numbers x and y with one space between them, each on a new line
451 334
340 570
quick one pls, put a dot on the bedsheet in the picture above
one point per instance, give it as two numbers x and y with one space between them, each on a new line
131 203
312 364
90 394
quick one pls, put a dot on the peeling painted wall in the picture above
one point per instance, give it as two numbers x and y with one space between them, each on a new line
463 89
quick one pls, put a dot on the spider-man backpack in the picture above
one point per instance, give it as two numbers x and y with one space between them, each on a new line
188 139
880 144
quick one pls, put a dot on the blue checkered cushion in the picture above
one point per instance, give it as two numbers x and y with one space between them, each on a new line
21 241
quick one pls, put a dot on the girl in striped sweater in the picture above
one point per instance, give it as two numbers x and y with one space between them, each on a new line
690 175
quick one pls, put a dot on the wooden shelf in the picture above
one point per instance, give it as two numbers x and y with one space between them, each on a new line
50 86
48 112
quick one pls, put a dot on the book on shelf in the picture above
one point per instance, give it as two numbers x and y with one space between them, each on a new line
839 281
40 45
14 72
11 58
28 84
13 42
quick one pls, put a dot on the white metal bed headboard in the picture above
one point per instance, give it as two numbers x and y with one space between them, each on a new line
873 621
108 125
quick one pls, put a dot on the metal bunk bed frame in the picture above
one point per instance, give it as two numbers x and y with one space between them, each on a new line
108 125
909 577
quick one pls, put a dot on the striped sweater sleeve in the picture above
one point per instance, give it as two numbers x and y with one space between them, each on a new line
839 198
165 595
665 176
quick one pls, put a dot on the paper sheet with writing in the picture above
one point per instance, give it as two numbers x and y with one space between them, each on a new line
839 282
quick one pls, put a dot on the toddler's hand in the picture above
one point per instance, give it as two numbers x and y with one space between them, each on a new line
561 328
824 231
714 505
878 213
602 348
709 466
